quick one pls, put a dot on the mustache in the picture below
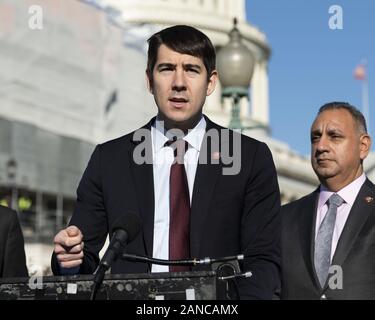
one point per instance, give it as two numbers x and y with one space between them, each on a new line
322 159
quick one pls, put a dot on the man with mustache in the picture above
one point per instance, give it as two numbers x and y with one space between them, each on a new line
328 236
187 204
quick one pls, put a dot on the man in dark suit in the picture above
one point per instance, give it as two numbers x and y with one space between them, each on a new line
328 236
211 208
12 252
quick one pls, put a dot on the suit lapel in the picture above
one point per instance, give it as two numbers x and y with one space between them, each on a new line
307 222
144 181
362 207
204 183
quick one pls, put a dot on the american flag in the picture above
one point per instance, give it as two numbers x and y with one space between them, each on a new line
360 72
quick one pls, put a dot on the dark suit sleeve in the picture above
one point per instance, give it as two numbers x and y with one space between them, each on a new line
14 260
89 215
260 228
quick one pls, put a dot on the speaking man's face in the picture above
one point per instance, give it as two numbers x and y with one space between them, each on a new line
337 148
180 87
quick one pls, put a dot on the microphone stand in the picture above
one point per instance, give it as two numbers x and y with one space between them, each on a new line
98 279
118 241
188 262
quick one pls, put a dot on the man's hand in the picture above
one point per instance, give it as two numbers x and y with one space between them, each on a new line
69 247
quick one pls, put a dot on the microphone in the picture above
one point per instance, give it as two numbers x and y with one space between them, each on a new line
124 230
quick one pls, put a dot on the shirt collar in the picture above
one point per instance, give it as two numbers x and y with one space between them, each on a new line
348 193
194 137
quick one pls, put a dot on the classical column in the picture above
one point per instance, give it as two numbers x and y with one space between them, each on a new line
194 3
259 93
222 7
208 5
236 8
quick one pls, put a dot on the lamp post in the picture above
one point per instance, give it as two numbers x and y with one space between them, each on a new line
235 64
12 174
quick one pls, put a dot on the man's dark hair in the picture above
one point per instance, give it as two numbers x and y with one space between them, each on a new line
355 113
185 40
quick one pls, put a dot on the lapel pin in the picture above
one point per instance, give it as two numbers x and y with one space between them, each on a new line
369 199
215 155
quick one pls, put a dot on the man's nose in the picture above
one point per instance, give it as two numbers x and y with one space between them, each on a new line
322 144
179 80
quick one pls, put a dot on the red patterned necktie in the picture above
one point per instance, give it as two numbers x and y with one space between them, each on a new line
179 204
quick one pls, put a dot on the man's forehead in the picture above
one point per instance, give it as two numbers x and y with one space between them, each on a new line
333 119
331 123
168 55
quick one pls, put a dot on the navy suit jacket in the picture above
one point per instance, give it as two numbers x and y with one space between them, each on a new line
230 214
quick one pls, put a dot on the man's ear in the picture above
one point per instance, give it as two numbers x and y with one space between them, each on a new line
364 145
149 81
212 82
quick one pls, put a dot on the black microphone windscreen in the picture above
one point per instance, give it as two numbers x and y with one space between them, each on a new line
130 222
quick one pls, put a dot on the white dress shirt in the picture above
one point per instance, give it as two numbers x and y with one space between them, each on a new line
349 194
162 160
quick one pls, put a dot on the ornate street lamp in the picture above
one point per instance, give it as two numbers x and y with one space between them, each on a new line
235 64
12 174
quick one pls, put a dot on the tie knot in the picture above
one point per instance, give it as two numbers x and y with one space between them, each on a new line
335 200
180 147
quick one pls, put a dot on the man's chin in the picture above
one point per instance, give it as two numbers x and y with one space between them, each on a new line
181 118
325 174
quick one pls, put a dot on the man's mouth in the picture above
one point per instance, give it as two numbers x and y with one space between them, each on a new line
178 102
322 160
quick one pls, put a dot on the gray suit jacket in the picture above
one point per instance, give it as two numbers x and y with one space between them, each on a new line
355 252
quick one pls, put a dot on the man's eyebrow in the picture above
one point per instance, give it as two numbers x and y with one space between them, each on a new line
316 131
165 65
334 130
329 131
192 65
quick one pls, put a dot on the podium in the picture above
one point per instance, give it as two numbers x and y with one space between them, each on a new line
156 286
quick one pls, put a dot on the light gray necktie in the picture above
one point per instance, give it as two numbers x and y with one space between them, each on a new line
323 241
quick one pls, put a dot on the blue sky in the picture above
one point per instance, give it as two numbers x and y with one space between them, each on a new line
312 64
